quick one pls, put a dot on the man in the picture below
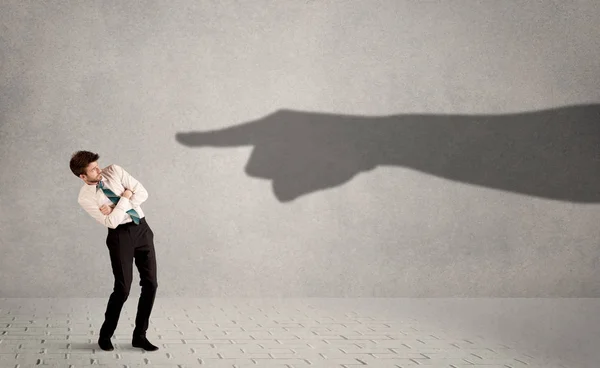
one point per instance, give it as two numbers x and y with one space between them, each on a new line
129 237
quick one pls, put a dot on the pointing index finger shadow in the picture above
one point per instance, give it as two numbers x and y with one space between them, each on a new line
552 153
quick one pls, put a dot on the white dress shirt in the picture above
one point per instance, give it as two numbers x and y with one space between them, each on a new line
116 179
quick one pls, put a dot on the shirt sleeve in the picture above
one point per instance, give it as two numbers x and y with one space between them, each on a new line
112 220
140 194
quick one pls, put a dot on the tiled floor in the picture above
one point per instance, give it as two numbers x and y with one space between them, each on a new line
294 333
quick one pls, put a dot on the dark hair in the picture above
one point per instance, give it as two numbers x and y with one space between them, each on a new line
80 160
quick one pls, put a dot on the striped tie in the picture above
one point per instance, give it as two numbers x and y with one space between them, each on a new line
115 198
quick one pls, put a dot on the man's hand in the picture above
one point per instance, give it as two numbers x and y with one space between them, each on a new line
106 209
127 193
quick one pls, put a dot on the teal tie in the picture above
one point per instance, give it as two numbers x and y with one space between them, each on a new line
115 199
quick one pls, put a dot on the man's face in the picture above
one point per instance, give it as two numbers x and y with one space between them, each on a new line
93 174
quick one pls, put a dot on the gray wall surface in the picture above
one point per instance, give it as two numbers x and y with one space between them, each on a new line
308 148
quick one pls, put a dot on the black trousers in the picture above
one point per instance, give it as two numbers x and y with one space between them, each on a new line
125 243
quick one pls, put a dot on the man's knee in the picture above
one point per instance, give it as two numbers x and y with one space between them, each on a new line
122 290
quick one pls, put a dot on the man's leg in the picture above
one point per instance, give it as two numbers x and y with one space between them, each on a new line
121 259
145 261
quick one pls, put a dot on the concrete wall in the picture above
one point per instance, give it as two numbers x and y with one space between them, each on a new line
308 148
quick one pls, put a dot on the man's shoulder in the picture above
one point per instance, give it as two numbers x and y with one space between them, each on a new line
84 193
111 168
112 171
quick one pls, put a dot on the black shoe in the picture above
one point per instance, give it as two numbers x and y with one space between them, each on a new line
142 342
105 344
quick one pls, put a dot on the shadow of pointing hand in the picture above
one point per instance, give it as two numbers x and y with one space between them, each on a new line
552 153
